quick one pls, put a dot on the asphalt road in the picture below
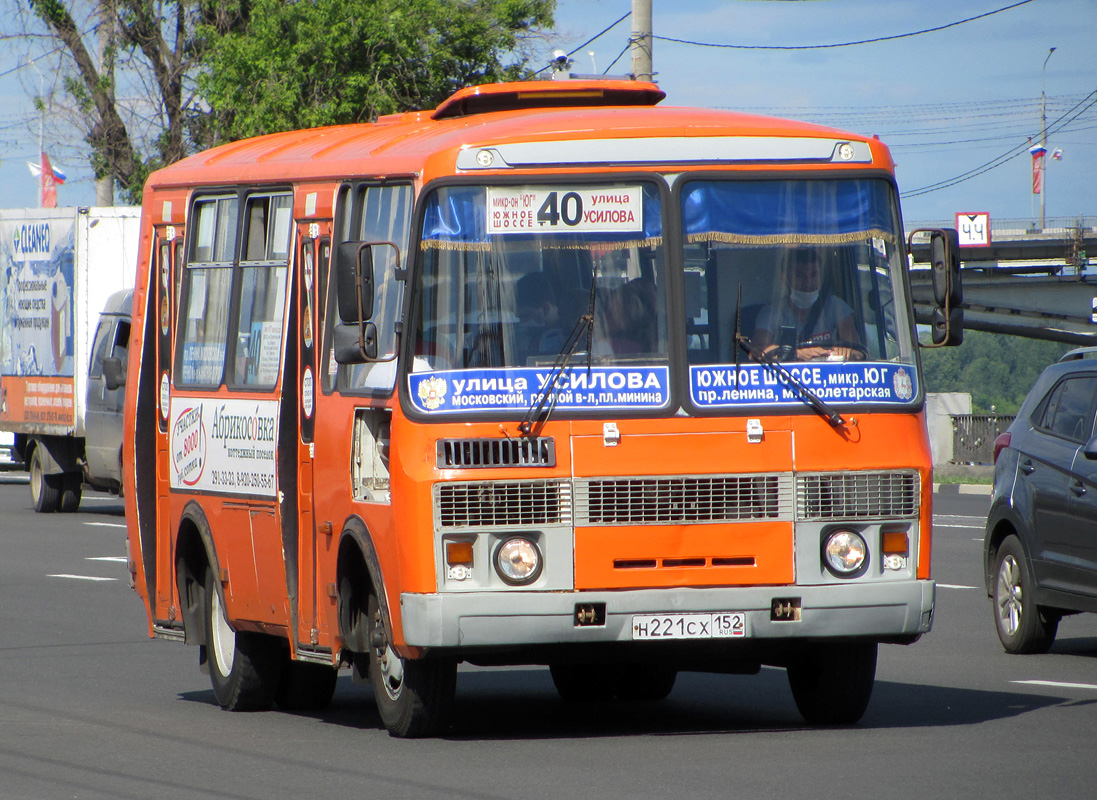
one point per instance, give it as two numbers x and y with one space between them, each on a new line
91 708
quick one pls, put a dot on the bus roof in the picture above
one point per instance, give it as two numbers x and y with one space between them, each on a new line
579 113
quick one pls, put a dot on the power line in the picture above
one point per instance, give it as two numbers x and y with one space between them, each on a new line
842 44
1086 103
588 41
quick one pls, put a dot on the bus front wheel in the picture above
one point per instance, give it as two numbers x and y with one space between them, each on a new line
245 668
832 682
414 698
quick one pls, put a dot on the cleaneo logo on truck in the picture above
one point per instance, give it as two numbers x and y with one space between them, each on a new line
31 242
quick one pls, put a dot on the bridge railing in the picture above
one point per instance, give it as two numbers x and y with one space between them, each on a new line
973 436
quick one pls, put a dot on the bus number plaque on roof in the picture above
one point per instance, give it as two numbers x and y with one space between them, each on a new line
538 209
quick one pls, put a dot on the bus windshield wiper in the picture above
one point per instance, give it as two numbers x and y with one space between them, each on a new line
545 400
833 418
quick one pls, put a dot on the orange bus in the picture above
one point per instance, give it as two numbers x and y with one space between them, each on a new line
552 375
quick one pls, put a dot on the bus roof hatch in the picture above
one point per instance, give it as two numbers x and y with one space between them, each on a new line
548 94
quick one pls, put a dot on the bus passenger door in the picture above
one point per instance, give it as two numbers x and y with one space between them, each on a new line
313 249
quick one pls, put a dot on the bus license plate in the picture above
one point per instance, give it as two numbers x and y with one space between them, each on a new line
721 625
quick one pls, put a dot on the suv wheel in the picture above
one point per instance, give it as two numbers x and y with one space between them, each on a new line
1023 627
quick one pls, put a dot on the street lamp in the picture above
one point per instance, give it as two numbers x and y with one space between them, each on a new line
1043 138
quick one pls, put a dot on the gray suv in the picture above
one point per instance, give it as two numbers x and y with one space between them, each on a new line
1040 550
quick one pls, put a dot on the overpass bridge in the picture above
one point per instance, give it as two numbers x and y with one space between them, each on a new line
1027 282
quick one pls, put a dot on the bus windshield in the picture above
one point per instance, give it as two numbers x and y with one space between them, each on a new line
510 272
805 270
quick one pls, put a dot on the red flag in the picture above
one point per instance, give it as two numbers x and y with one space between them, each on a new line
1038 172
49 184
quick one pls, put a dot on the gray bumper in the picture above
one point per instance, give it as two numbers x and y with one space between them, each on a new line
479 619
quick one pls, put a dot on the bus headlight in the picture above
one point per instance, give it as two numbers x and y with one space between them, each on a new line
844 552
518 561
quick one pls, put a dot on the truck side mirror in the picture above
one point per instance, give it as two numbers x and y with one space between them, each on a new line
113 373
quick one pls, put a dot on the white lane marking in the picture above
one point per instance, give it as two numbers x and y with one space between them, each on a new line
961 517
119 559
81 577
954 586
1060 684
960 527
106 524
85 499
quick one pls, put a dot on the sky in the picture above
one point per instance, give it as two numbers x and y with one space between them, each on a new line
948 102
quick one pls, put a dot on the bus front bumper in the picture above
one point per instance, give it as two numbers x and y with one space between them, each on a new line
885 610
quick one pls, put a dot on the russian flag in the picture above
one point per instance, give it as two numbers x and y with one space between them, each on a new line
59 175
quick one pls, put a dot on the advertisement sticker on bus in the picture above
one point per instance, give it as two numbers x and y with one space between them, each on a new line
225 446
722 386
605 388
540 209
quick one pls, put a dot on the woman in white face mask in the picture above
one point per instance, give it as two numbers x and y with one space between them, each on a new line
810 325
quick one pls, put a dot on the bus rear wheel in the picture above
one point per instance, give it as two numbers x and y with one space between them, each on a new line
832 682
245 668
414 698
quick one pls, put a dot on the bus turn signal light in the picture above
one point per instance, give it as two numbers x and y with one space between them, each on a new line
458 553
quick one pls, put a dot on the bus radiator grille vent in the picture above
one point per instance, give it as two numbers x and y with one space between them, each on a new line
488 453
694 500
857 495
502 504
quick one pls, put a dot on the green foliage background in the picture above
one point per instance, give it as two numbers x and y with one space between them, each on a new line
330 62
997 370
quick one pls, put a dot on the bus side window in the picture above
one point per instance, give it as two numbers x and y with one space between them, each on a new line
207 293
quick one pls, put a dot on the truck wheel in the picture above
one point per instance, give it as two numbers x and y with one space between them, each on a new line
832 682
245 668
71 490
414 698
1023 627
306 687
45 490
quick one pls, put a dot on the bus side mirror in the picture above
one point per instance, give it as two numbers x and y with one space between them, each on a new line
944 254
355 344
947 321
113 376
354 281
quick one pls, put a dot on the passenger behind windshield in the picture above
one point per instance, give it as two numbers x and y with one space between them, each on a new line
810 323
626 322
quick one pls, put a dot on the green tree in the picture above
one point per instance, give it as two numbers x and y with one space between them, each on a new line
324 62
997 370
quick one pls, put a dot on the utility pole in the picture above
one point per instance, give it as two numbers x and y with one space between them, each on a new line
1043 139
641 40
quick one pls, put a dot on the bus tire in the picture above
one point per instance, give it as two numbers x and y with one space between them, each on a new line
72 486
45 490
306 687
245 668
832 682
414 697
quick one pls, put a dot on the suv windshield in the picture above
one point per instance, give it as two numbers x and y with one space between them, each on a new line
509 273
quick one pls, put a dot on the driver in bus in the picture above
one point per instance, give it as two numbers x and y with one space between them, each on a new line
812 324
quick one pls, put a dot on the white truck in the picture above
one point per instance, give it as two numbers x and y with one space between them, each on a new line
58 269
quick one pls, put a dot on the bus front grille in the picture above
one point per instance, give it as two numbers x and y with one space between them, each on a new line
693 500
487 453
502 504
857 495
